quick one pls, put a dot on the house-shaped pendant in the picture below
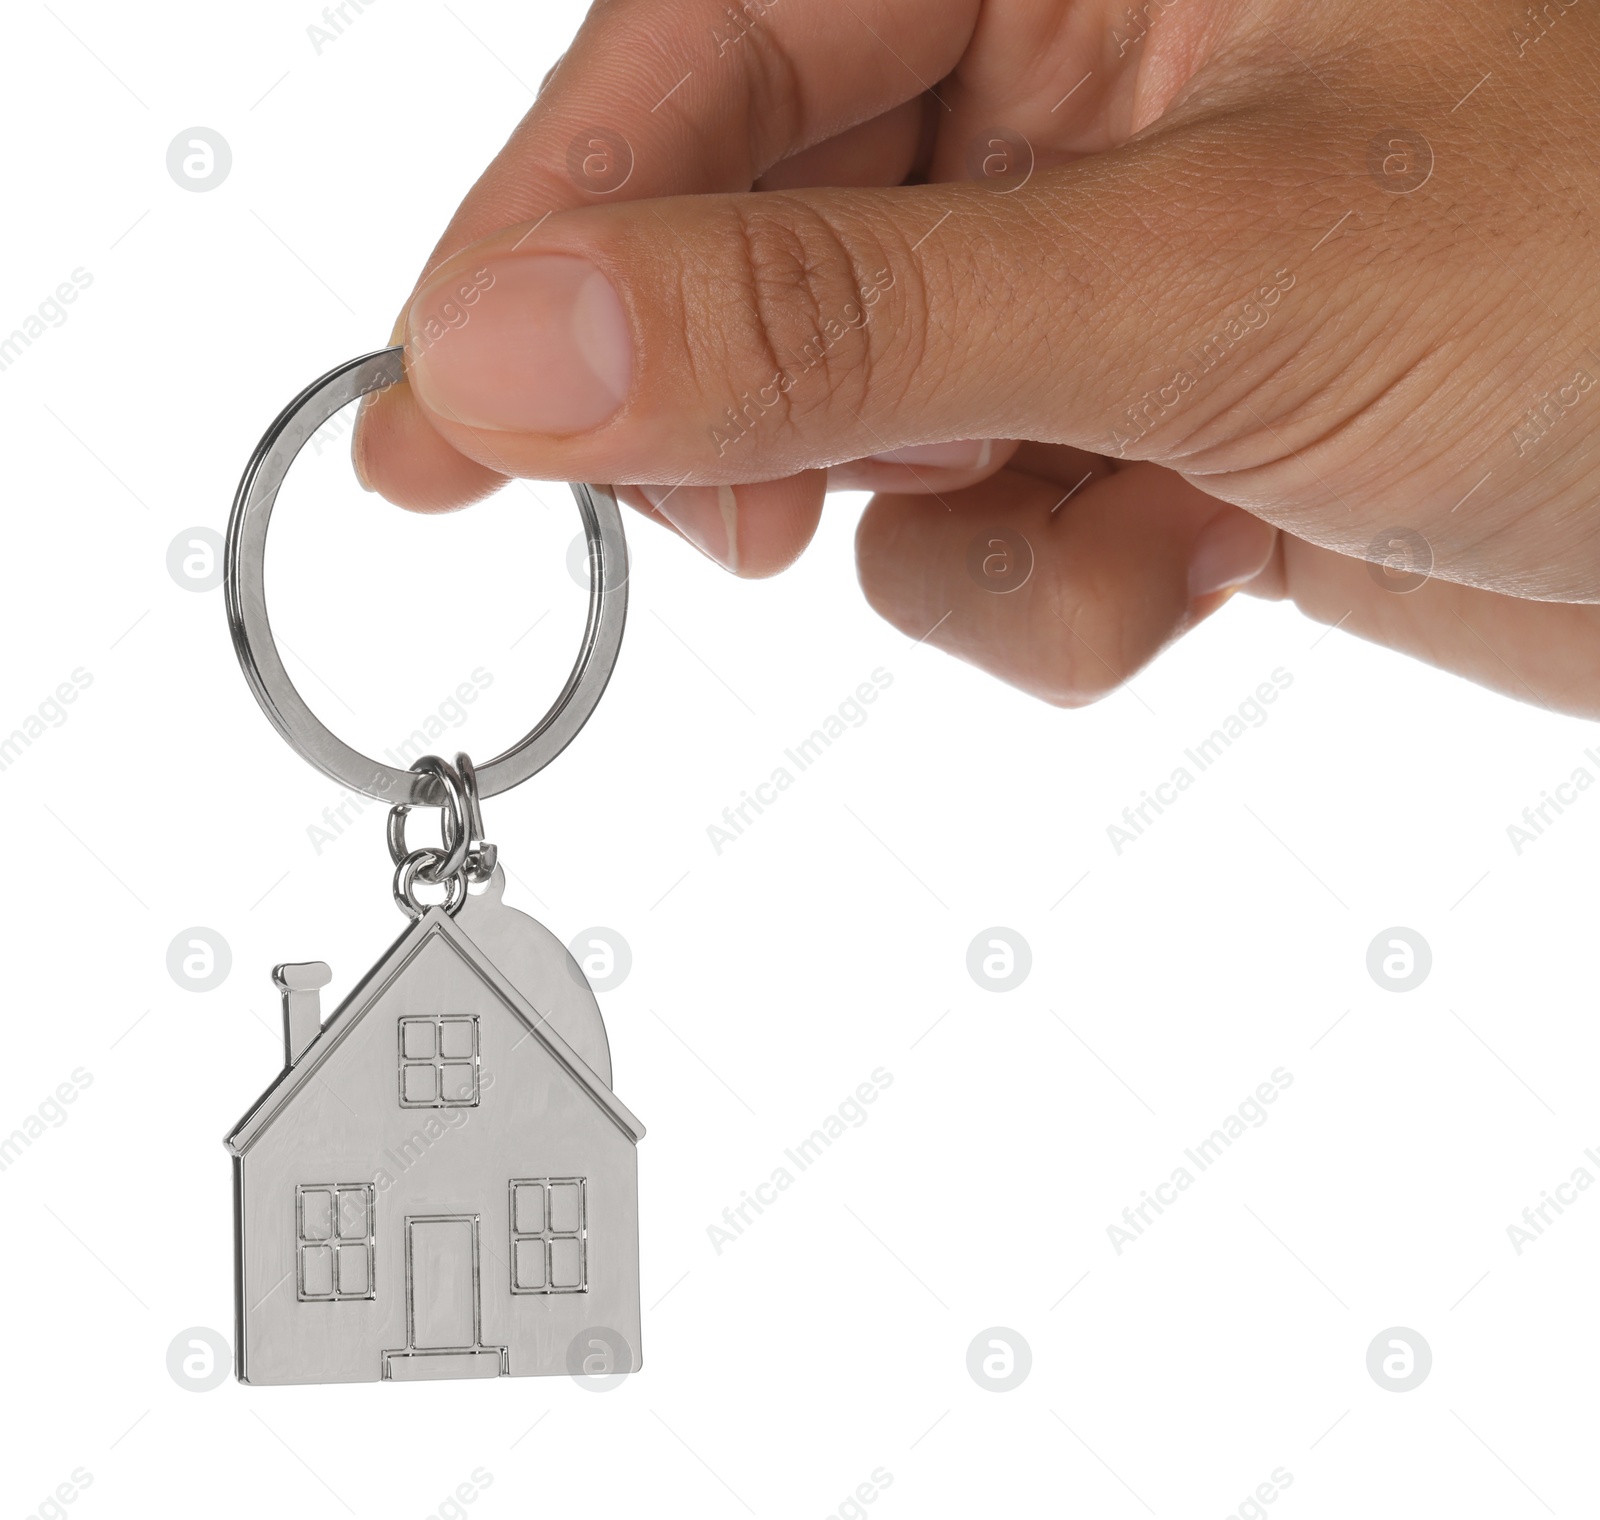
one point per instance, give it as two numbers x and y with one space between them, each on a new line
441 1182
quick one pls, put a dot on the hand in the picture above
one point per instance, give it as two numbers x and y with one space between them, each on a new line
1274 290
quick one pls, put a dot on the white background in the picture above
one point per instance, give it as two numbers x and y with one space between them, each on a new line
831 1338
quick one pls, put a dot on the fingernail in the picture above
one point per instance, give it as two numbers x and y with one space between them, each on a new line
1231 549
707 516
967 454
534 344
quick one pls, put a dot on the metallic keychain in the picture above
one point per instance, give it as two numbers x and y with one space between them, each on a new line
440 1183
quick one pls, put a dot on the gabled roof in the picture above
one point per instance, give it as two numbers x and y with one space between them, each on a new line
435 924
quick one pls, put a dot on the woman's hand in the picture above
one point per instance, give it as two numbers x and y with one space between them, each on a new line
1295 298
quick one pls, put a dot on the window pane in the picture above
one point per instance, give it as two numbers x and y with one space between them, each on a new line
418 1084
316 1270
529 1263
417 1038
566 1264
529 1209
316 1214
353 1214
455 1037
564 1213
456 1084
353 1269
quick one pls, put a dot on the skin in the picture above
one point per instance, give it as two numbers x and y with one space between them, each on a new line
1411 184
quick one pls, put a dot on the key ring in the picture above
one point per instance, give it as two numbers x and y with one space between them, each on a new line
476 1010
245 594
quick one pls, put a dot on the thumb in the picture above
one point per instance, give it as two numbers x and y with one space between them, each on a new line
733 338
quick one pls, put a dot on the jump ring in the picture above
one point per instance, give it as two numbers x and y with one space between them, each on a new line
409 871
481 855
455 826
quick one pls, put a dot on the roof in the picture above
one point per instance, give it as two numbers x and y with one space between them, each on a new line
435 924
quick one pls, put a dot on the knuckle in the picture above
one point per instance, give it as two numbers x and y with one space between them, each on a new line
802 324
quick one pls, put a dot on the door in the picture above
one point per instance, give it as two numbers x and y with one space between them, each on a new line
442 1282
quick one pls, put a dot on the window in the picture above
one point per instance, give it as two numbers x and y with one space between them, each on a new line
548 1236
333 1229
439 1062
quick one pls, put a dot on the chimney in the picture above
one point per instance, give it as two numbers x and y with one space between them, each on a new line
302 1008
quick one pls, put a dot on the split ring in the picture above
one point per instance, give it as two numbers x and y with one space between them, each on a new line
245 594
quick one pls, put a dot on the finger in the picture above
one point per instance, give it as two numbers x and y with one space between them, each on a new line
929 469
758 530
1544 653
878 152
396 452
751 530
695 101
746 338
1066 600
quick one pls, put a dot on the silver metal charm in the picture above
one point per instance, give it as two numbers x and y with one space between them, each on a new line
441 1182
